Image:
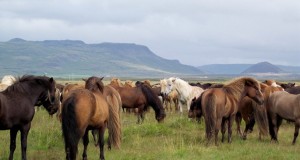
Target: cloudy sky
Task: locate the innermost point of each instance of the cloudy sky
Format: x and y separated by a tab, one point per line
196	32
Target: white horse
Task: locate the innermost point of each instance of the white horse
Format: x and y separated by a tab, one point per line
185	91
7	81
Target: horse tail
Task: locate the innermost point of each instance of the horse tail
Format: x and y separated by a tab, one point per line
69	127
260	116
114	123
152	100
210	115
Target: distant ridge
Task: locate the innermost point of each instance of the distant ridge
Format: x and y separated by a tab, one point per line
69	58
241	68
263	67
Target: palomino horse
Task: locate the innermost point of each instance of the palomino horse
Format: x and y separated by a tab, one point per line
172	97
252	112
17	106
283	105
185	91
140	97
84	110
6	81
220	105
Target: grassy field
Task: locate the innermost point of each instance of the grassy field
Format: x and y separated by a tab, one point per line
176	138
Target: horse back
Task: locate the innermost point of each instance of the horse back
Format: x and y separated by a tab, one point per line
284	104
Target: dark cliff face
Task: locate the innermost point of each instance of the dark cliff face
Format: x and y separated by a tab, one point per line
67	57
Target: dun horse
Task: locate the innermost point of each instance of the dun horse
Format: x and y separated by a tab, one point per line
88	109
220	105
283	105
17	106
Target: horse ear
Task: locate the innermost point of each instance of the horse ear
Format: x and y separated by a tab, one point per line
101	78
100	86
249	83
51	79
84	79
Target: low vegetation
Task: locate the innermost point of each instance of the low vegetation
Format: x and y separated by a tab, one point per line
176	138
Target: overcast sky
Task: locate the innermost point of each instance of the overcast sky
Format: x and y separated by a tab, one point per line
196	32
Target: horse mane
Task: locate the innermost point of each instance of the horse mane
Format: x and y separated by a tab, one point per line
236	86
21	83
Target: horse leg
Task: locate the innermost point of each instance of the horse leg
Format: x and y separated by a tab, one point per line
238	120
180	107
297	125
85	139
24	133
278	123
95	133
223	129
230	122
101	141
13	135
217	128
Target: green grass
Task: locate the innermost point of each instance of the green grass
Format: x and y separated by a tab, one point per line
176	138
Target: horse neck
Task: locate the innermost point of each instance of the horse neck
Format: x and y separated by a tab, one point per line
27	90
236	90
183	88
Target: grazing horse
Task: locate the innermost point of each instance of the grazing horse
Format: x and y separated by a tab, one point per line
185	91
84	110
283	105
17	106
220	105
140	97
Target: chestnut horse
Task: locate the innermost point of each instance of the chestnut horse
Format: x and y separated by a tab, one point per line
220	105
252	112
283	105
17	106
84	110
140	97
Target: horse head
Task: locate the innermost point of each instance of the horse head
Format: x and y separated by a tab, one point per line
50	98
170	84
94	84
195	108
253	90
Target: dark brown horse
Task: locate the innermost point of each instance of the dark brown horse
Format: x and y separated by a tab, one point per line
283	105
17	106
141	97
219	105
84	110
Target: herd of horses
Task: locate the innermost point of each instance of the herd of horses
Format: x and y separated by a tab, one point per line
96	107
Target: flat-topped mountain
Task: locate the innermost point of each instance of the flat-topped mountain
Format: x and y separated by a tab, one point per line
74	57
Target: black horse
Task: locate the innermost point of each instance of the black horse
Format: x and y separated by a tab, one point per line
17	106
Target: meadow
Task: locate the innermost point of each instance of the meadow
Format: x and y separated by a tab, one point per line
177	138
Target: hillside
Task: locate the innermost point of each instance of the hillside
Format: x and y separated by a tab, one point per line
76	58
263	67
240	68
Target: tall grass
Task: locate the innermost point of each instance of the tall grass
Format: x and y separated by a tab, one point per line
176	138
